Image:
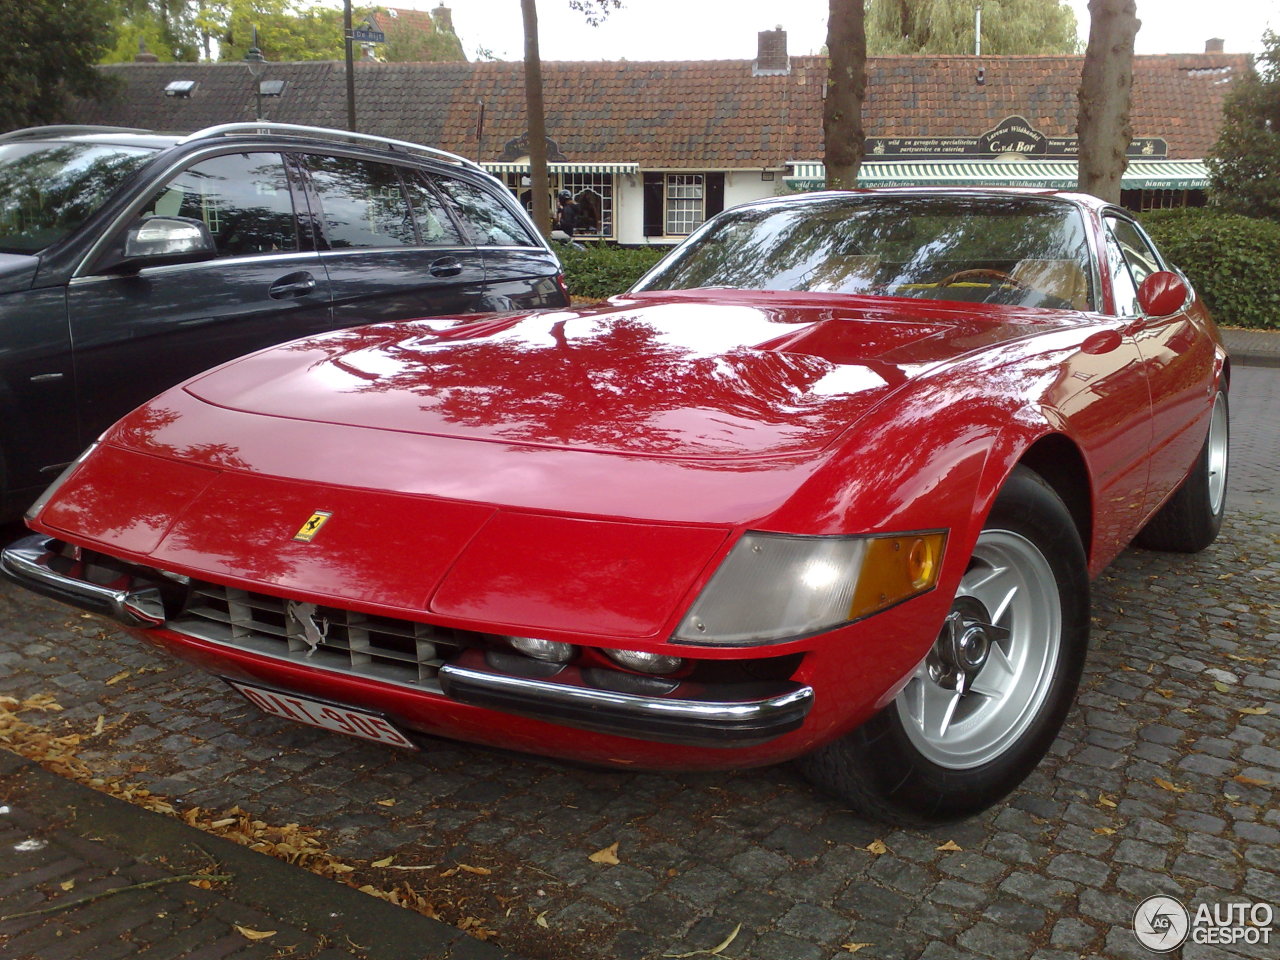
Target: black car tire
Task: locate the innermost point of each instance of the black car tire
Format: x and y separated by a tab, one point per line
893	768
1190	520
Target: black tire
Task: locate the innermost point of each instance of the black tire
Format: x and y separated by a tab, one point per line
890	768
1190	519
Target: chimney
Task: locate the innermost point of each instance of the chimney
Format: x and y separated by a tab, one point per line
1214	45
443	18
771	54
144	55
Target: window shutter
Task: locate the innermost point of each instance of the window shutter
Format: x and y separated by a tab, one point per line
653	187
715	193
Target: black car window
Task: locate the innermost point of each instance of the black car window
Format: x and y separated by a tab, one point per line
488	220
48	189
434	224
362	203
243	198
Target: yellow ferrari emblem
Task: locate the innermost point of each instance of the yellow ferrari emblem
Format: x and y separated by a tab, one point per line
313	525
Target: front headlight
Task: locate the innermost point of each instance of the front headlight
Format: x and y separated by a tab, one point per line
773	587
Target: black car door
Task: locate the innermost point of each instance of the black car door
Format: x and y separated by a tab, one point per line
389	247
136	334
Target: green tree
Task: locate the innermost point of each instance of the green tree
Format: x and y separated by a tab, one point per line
1106	87
1244	165
842	130
947	27
167	28
48	54
287	31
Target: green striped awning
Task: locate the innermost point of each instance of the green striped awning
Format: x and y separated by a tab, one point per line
522	166
1048	174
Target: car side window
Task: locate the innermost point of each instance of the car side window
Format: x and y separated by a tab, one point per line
1122	282
488	220
1142	259
243	198
362	203
435	227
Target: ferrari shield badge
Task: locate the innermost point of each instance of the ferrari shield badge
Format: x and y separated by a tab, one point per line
309	529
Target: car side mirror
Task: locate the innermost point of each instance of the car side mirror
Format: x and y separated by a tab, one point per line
1162	293
154	241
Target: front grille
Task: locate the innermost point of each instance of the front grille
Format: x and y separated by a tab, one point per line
382	648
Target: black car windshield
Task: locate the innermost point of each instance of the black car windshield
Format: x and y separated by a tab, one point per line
48	189
989	249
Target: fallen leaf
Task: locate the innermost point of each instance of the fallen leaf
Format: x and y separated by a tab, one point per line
118	677
950	846
1220	686
249	934
855	947
389	802
1105	801
339	867
877	847
67	884
98	727
608	855
541	920
1250	781
1164	784
479	871
1164	693
1254	711
1232	656
713	952
384	862
1105	831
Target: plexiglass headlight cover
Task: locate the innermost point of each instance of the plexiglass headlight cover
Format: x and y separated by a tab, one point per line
777	587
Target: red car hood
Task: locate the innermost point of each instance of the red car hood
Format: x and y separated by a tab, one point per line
685	375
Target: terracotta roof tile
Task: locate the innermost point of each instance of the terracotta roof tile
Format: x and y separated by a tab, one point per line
679	114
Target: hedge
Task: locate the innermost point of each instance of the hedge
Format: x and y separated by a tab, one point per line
598	270
1233	261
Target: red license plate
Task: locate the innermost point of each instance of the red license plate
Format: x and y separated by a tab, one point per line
326	716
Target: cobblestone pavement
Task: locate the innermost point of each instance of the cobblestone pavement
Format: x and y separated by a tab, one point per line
1164	781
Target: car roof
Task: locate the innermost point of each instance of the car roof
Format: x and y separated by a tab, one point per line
1079	199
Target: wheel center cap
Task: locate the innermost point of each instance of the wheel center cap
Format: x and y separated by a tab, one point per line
963	645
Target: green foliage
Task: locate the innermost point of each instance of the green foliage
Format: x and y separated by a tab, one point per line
287	31
599	270
1230	259
48	53
167	28
1244	165
946	27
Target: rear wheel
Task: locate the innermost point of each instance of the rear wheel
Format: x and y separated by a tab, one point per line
1192	517
985	704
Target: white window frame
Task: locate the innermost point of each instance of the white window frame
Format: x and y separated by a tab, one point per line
684	203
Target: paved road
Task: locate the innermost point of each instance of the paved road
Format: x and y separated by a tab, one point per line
1165	781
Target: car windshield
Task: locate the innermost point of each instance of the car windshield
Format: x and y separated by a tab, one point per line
48	189
989	249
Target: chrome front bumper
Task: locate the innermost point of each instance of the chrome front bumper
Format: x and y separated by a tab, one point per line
723	715
30	562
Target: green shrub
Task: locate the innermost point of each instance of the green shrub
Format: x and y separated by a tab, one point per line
1233	261
599	270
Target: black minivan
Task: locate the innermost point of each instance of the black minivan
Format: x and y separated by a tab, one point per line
130	261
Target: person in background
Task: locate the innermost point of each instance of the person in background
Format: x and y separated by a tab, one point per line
566	217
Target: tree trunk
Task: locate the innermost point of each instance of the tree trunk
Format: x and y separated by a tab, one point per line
1105	86
846	85
537	121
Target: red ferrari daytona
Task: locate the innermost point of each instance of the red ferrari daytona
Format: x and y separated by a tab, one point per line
829	483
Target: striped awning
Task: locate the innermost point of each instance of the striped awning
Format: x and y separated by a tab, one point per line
1049	174
522	166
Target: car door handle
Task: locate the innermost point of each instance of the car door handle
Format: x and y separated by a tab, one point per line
446	267
292	285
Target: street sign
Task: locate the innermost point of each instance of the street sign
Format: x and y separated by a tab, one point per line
368	36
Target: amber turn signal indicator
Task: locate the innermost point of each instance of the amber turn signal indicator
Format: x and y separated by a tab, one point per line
895	569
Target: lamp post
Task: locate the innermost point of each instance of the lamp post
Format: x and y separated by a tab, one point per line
257	64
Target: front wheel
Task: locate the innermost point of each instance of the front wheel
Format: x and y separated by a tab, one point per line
986	702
